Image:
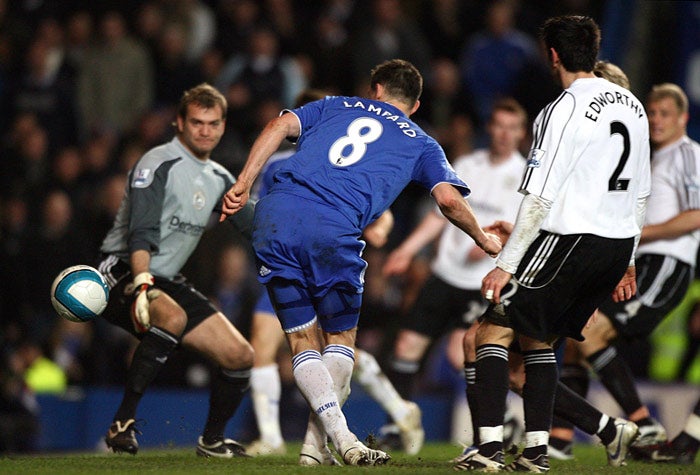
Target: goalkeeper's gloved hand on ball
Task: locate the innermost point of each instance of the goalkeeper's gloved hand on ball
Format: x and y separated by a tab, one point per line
139	309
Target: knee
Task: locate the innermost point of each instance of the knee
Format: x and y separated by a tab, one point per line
174	320
238	356
469	345
409	346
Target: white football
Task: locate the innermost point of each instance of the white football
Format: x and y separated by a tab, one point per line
79	293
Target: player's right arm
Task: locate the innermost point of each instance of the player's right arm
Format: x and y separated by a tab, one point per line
147	193
267	143
457	210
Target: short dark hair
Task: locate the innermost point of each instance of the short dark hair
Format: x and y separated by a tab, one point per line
400	78
203	95
575	38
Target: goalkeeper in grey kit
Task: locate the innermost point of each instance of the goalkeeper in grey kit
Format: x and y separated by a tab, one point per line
171	194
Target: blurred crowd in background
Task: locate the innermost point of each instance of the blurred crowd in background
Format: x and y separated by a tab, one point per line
86	87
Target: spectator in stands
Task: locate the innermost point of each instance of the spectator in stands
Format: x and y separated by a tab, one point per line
236	21
19	422
174	70
387	32
115	84
46	88
445	24
493	58
57	242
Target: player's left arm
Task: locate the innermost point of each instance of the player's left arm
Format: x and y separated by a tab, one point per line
681	224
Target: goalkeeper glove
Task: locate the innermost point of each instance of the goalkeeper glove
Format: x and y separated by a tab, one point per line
139	309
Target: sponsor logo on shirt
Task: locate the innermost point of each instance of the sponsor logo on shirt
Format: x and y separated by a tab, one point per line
535	157
186	228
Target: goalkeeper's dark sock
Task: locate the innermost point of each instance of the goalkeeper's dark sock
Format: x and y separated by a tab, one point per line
149	357
227	391
616	376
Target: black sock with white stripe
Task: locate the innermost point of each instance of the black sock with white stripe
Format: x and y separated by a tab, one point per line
227	390
538	399
470	378
572	407
616	376
490	390
149	357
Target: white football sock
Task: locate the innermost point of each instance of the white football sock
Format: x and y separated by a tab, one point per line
340	361
265	391
370	376
692	427
316	384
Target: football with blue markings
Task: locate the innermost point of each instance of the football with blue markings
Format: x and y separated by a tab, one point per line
79	293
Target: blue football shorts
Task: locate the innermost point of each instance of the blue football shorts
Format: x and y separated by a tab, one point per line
309	256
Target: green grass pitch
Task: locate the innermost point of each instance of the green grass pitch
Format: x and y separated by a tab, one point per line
433	459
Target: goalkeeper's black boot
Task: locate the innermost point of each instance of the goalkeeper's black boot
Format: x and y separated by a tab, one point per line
121	437
224	448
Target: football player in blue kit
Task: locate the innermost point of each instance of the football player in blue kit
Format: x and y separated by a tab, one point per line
354	156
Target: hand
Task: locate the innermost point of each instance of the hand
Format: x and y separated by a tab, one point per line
502	229
234	200
493	283
627	287
139	309
492	245
475	254
375	236
397	262
377	233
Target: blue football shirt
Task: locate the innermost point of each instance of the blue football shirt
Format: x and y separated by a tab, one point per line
357	155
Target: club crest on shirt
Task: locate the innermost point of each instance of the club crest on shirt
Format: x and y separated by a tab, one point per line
142	178
199	200
534	158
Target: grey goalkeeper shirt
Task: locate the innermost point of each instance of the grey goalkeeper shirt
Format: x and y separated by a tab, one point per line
169	200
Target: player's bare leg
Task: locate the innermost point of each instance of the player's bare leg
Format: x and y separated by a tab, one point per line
405	414
217	339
